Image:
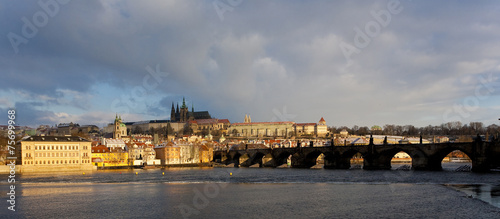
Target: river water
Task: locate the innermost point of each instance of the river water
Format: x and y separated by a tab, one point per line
255	193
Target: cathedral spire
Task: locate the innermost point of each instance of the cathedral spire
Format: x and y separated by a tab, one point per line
172	113
183	103
192	107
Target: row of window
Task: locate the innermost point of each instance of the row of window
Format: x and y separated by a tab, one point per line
172	154
55	147
56	154
56	162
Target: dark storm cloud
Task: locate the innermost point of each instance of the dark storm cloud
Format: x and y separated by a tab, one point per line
263	56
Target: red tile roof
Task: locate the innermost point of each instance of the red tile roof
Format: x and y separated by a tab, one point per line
224	121
304	124
100	149
266	123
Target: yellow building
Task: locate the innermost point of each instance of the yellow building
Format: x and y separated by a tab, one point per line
54	153
262	129
168	153
277	129
104	157
315	129
206	153
206	125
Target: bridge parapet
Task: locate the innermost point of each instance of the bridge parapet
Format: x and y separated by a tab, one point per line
484	155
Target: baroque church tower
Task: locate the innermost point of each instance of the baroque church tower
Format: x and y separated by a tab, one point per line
120	129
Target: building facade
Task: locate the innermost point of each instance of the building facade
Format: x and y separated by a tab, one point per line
54	153
205	126
168	153
103	156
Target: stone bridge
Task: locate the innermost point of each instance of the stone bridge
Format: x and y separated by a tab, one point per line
484	155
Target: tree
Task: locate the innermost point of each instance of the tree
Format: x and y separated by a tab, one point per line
187	130
493	130
476	127
355	129
363	131
389	129
204	131
169	130
137	130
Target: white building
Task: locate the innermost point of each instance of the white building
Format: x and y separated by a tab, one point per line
112	143
189	153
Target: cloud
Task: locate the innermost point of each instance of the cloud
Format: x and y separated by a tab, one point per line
262	56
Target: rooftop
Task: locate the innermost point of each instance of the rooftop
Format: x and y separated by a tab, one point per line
55	138
263	123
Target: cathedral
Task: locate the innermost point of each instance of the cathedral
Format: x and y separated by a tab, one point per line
184	115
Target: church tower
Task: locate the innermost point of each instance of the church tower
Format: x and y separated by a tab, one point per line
172	113
184	111
247	119
120	129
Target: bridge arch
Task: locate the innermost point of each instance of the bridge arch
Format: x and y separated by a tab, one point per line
234	158
311	158
437	160
245	160
282	158
349	159
217	157
257	159
268	160
386	157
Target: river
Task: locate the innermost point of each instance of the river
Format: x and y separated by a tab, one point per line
256	193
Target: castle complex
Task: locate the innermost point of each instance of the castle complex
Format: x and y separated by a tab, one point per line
183	114
277	129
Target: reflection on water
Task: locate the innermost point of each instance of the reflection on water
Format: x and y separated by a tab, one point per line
120	193
43	189
485	192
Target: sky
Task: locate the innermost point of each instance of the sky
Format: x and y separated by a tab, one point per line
359	63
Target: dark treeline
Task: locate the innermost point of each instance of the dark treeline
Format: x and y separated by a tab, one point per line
450	128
